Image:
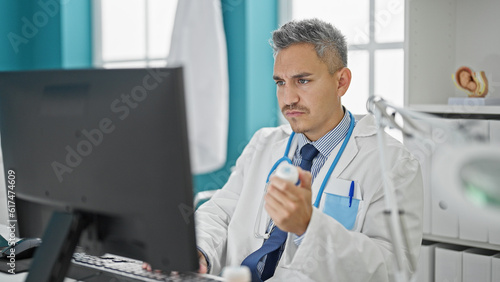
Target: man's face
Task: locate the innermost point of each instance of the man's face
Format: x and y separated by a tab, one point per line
307	93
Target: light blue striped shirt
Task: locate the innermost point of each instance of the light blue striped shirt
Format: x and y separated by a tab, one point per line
325	145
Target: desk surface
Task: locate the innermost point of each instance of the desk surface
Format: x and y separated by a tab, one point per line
13	277
20	277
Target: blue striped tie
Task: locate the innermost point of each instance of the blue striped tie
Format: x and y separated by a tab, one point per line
272	246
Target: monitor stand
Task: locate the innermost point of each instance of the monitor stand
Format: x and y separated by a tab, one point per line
53	258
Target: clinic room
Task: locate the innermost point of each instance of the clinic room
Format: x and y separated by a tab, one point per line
250	140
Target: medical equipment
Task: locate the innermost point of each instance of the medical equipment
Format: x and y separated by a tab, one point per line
463	170
480	177
391	206
265	235
475	171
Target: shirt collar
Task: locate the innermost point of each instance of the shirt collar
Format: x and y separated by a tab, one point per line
330	140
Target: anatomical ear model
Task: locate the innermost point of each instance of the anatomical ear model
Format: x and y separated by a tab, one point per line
473	83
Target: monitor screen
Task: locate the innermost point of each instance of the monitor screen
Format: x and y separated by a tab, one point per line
109	146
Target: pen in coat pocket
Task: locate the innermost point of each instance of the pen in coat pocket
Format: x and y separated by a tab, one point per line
351	193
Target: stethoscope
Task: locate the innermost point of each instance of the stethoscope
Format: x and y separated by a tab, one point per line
285	158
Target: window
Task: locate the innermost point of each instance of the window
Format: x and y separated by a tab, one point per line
132	33
375	35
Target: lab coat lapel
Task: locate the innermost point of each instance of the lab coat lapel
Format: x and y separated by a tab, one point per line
278	148
351	150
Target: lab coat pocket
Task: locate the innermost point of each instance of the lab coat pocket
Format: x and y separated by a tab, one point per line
343	201
341	208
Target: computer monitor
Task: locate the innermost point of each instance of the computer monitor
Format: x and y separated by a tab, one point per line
105	152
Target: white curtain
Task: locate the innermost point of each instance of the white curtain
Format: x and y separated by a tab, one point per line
199	45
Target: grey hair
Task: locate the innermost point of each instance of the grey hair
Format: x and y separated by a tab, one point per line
329	43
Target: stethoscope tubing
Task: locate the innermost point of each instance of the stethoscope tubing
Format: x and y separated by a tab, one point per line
330	170
285	158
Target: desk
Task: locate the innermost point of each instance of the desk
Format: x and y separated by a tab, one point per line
74	270
20	277
13	277
6	276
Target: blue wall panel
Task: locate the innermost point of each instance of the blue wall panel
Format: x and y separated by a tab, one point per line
12	41
45	34
261	98
76	27
252	99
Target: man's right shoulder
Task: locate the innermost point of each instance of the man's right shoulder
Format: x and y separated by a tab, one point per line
265	140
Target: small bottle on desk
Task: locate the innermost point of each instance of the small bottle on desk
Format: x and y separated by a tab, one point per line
237	274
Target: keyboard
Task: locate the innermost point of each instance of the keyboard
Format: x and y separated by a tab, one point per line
116	268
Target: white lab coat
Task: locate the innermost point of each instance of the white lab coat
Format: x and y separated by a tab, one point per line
328	252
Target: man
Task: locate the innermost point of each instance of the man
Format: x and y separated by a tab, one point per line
343	236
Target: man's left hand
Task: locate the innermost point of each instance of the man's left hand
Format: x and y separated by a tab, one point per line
288	205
